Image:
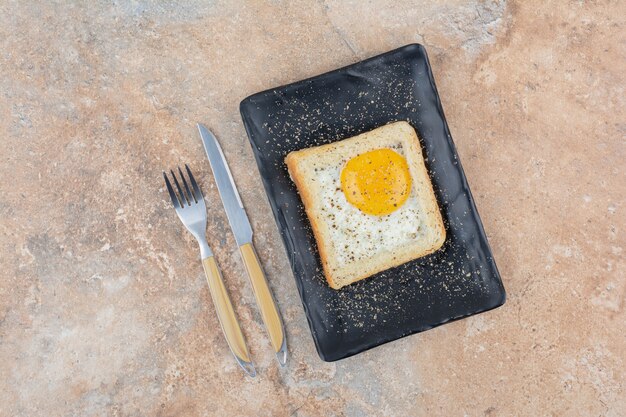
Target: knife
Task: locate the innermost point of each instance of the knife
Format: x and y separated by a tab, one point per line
242	230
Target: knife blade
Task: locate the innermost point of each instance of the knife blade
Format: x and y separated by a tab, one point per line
237	217
242	230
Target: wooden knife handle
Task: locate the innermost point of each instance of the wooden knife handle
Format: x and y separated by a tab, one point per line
226	315
265	300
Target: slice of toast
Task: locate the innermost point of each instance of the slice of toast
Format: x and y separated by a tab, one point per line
352	244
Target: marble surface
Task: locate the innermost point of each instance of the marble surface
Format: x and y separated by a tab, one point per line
104	309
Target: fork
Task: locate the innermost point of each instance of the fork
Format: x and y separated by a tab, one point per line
191	209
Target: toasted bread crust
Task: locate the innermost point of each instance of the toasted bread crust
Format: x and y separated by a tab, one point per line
307	199
336	275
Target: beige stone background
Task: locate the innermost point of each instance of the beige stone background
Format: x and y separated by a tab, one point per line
104	310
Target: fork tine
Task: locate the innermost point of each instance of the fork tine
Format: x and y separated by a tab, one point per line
183	197
197	193
192	198
173	196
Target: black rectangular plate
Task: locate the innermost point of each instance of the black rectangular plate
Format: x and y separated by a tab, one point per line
457	281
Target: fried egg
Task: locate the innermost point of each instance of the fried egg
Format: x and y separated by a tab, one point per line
369	204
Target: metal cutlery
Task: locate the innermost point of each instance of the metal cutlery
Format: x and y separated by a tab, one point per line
191	209
242	230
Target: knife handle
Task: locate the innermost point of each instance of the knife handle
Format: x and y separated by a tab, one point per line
226	315
265	300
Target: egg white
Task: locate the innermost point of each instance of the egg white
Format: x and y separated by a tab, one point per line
357	235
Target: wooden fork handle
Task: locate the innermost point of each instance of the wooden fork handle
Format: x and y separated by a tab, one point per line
226	315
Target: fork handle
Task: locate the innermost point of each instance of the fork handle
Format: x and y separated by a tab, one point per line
265	301
226	315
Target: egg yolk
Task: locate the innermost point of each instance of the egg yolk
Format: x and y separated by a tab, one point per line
376	182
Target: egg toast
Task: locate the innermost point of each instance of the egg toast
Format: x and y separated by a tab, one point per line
370	202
